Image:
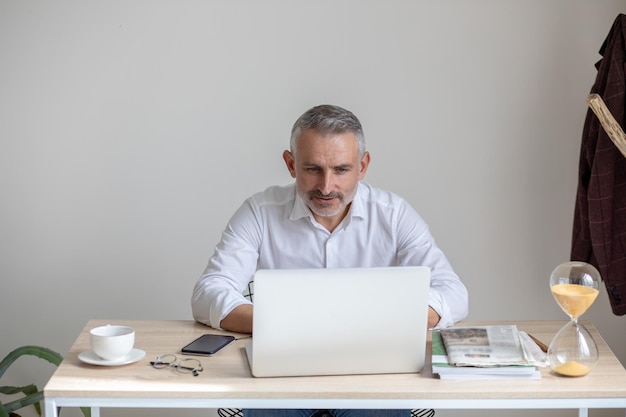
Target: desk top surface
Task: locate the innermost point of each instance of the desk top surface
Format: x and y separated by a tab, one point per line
227	375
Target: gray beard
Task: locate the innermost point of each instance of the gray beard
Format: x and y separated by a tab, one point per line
343	202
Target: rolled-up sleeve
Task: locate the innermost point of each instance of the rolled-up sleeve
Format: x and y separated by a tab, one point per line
448	295
220	288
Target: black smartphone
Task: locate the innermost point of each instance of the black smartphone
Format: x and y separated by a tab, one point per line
207	344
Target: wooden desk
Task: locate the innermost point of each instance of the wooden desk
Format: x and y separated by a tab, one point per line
227	382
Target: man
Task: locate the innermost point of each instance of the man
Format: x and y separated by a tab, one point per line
328	218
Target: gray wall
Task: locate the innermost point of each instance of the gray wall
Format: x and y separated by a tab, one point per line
131	130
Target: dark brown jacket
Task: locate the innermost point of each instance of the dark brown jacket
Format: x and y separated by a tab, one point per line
599	233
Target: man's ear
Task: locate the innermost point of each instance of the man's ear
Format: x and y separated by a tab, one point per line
290	161
365	162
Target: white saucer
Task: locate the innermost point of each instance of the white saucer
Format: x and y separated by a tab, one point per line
91	358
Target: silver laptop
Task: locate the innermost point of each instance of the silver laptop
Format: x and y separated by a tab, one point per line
339	321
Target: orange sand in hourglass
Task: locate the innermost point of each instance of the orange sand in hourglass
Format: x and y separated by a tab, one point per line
574	299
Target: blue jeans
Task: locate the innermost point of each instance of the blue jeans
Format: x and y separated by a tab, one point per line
334	413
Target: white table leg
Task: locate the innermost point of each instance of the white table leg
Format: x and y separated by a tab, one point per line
50	408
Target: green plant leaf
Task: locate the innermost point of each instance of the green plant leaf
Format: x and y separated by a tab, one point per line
28	389
38	351
30	399
32	395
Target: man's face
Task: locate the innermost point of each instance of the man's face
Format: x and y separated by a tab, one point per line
327	169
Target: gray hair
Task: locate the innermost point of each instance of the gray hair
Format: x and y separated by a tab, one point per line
327	120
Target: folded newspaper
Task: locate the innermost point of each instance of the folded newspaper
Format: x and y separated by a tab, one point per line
442	367
496	345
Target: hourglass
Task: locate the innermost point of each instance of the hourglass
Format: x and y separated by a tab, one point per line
575	286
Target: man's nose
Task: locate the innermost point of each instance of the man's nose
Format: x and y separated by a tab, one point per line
326	182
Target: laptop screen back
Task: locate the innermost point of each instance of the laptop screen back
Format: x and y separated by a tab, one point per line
339	321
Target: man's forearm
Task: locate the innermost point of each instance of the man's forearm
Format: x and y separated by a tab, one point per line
433	317
239	320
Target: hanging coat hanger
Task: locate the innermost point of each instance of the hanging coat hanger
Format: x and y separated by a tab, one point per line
608	122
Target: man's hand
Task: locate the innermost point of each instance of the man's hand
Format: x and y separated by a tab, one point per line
239	320
433	317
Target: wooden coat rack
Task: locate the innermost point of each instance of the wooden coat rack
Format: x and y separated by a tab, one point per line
608	122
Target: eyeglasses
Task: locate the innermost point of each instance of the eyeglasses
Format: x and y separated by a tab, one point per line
185	366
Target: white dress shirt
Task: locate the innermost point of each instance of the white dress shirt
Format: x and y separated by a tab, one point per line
274	229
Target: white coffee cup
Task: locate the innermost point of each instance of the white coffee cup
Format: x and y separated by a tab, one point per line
112	342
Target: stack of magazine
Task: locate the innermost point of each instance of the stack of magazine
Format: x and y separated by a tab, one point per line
486	352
